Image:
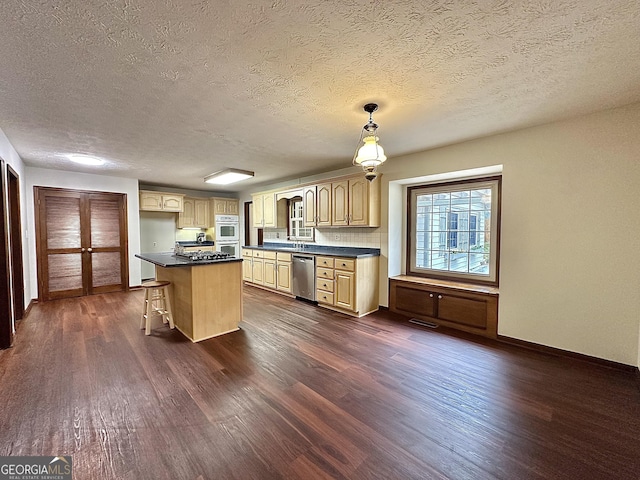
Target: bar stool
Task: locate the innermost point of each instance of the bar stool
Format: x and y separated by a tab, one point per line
156	301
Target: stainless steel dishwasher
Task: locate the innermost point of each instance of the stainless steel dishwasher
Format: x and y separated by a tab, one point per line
304	276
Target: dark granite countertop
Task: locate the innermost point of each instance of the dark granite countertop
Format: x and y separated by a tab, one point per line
349	252
170	260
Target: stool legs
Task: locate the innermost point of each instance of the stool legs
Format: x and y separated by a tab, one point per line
156	301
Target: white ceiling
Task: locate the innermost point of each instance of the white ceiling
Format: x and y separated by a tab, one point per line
168	91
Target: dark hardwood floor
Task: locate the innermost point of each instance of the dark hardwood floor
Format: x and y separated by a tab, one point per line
301	392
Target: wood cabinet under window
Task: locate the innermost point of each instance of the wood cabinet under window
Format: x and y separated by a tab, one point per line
452	304
161	201
195	213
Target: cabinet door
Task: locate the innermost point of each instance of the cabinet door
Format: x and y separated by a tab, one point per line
172	203
186	218
323	204
309	206
232	207
201	213
258	211
269	210
412	301
284	276
359	201
151	201
269	274
258	271
466	311
247	269
345	292
219	206
340	203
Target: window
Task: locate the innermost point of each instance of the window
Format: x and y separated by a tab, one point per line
297	230
454	230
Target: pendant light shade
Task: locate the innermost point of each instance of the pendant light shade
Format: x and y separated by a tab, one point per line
370	155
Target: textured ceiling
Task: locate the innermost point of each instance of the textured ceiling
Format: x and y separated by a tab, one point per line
168	91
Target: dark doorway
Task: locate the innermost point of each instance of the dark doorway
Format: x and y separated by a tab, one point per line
6	327
15	242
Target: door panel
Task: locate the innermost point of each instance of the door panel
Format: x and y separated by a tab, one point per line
105	269
62	216
65	272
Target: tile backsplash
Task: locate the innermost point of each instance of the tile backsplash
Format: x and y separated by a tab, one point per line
342	237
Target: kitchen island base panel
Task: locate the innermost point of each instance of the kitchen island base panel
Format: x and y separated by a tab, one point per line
206	299
207	338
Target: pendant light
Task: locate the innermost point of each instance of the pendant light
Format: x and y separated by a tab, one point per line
370	155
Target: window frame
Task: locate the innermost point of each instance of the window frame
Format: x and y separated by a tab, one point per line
293	219
494	253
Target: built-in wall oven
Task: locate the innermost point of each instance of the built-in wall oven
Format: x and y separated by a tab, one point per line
227	228
228	234
232	248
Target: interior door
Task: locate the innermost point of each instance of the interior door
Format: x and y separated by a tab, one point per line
6	327
81	242
15	235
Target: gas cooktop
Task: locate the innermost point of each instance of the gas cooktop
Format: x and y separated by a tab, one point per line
202	255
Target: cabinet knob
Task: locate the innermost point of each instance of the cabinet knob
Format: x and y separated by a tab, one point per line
89	249
431	295
439	296
344	264
82	249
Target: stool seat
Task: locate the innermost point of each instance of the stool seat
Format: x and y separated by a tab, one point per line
156	284
156	301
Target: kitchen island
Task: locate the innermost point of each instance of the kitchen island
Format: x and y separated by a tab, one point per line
206	295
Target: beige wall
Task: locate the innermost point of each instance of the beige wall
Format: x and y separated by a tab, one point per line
570	255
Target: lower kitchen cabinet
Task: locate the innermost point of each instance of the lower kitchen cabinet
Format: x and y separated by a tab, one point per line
452	304
257	269
269	270
284	280
349	285
247	265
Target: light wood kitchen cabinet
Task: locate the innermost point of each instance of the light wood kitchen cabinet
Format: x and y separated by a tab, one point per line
355	202
323	205
456	305
309	206
247	265
269	270
267	213
257	270
284	272
161	201
195	213
347	284
225	206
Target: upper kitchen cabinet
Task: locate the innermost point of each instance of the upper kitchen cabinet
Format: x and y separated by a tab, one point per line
195	213
355	202
309	207
323	205
161	201
347	201
265	211
225	206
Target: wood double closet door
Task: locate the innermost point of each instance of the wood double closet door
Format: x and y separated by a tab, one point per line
81	242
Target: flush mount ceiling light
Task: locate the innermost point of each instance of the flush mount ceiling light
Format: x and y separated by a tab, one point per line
227	176
85	159
370	155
